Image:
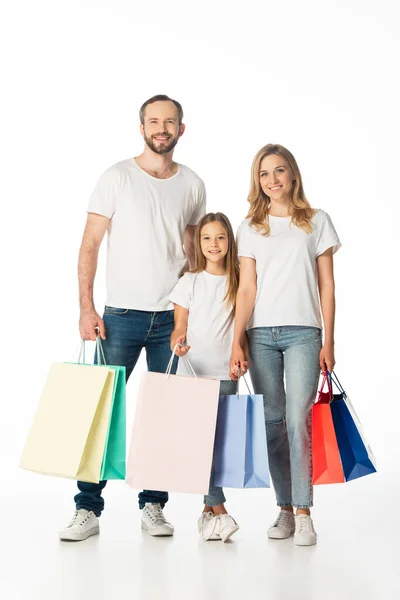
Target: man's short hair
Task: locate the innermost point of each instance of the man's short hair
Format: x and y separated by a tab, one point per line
161	98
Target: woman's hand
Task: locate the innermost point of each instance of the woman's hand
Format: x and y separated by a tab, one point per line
179	351
327	358
239	362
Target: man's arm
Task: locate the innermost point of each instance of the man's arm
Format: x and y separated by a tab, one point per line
96	226
188	244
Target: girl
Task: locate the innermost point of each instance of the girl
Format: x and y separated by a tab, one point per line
286	257
204	302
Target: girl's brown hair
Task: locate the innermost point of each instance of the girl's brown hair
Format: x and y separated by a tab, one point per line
231	259
301	212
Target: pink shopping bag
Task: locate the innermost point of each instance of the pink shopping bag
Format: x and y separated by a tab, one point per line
173	433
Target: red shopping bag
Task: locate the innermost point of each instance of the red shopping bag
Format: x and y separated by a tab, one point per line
327	465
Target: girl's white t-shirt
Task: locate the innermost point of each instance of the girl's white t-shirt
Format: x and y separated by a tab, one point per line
210	324
286	265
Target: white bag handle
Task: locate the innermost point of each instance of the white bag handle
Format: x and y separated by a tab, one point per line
171	360
100	353
245	380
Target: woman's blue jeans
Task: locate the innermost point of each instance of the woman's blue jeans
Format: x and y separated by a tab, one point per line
284	367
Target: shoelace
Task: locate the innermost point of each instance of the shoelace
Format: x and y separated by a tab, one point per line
304	524
156	513
216	521
79	519
283	519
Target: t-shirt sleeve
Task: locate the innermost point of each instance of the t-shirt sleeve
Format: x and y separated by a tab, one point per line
243	239
200	208
182	292
104	197
327	238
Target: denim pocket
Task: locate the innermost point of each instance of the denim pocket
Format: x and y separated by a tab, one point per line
112	310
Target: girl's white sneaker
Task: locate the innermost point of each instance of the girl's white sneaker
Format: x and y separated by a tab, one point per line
228	527
208	526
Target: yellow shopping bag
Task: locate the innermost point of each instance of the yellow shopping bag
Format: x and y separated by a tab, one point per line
68	434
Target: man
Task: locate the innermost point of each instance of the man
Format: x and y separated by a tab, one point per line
150	206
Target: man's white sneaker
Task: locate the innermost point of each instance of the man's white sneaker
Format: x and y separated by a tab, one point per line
283	526
228	527
209	526
83	524
305	533
154	522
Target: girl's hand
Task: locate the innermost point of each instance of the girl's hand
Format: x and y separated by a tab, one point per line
327	358
179	351
239	362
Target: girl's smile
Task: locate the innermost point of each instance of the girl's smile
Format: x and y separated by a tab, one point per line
214	242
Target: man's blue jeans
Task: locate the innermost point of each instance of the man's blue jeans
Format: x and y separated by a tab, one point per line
287	353
127	332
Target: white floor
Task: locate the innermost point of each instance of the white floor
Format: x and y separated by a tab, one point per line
357	555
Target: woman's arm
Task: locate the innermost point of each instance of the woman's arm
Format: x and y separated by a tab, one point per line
245	300
178	336
326	285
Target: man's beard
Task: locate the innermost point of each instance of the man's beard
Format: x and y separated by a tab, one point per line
162	148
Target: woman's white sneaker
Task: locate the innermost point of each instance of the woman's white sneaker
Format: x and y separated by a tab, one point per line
305	533
154	522
283	526
83	524
228	527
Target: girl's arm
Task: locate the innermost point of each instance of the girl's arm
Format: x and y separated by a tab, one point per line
245	300
178	336
326	286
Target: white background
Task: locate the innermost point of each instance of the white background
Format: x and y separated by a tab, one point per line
318	77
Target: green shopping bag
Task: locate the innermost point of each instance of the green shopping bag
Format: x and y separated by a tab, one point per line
114	457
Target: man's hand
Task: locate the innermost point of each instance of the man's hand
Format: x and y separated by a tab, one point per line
88	322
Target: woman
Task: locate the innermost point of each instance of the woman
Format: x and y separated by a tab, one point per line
286	257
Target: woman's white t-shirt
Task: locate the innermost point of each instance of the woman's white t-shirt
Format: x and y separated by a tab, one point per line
210	324
287	278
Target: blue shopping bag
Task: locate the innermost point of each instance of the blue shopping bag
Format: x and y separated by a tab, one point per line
240	450
355	453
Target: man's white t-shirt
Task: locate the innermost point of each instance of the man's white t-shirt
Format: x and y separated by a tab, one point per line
286	265
210	324
145	237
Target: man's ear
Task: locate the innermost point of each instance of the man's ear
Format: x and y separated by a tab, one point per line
141	130
182	128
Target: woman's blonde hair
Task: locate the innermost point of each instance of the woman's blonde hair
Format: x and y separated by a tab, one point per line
301	212
231	258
